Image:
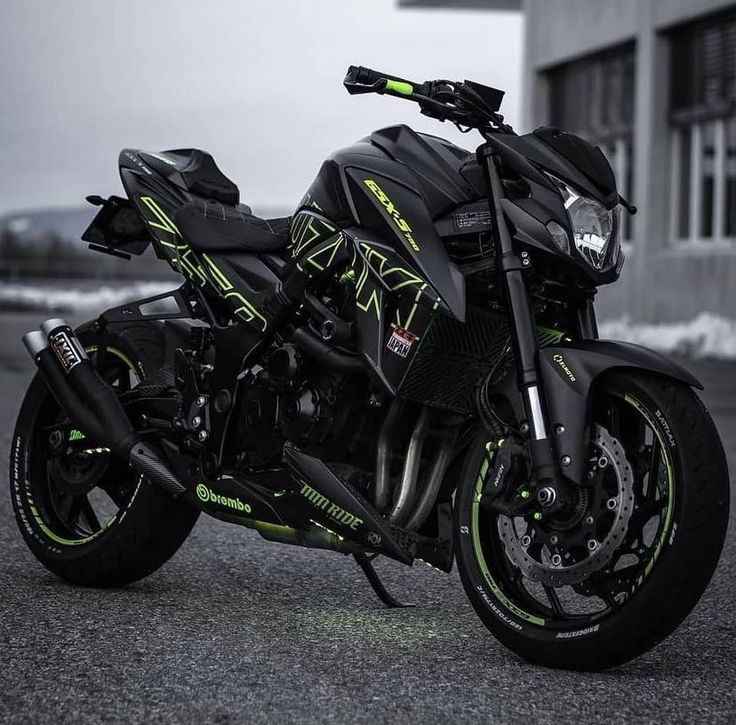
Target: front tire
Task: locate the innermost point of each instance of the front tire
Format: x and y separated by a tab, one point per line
657	592
84	514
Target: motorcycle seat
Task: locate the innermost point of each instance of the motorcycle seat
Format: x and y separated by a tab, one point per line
211	226
201	175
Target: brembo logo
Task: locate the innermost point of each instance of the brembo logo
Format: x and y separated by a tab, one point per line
67	352
561	362
207	495
321	502
401	223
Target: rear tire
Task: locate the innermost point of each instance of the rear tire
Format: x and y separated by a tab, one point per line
682	568
149	525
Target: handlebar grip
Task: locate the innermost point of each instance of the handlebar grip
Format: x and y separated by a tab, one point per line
361	80
367	76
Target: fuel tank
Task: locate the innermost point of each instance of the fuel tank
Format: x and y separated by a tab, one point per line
442	174
395	184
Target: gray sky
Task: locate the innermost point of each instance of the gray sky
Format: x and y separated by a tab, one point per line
256	83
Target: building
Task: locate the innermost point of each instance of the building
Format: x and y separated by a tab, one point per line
653	82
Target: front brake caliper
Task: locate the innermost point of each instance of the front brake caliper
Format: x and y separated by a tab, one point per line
507	464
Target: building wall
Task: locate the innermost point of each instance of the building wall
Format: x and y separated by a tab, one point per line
662	280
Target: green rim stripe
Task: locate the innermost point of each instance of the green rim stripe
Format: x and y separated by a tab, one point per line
68	542
478	550
122	356
34	511
670	483
480	559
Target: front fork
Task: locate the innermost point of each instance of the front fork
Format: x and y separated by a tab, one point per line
551	489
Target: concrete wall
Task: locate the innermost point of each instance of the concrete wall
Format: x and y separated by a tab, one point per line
662	280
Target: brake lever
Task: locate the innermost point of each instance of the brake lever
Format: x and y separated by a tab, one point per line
354	88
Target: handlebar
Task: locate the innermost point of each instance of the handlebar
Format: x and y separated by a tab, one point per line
467	104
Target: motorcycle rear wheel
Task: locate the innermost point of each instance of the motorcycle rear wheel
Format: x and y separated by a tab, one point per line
85	514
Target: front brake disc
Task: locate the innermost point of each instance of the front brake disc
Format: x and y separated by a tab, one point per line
532	551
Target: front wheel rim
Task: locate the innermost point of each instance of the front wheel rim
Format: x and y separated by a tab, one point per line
550	607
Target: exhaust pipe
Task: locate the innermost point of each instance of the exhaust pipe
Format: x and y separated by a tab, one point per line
383	454
91	403
428	497
405	497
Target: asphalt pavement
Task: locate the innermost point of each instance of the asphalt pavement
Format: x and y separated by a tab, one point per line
236	629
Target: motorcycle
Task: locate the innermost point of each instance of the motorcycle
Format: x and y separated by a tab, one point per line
407	367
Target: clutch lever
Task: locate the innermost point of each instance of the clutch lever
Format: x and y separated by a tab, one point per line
354	88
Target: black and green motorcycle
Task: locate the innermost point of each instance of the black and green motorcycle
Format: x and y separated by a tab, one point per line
409	366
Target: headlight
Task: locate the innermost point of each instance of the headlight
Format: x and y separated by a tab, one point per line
595	229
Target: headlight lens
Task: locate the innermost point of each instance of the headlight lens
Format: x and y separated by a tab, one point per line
595	229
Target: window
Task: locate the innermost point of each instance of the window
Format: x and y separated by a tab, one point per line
594	98
703	117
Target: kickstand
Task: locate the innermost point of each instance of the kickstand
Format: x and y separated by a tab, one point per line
372	576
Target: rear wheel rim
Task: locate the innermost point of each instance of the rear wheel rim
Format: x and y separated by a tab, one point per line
77	493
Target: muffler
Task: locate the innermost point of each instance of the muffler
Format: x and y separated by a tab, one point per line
91	403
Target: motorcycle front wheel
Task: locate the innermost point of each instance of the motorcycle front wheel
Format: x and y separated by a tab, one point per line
610	579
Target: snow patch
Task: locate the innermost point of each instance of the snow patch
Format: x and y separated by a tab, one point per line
23	297
706	336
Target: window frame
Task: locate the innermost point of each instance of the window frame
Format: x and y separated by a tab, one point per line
694	105
695	187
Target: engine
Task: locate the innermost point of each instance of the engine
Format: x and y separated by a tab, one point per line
289	398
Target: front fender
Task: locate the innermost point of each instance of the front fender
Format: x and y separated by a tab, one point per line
568	372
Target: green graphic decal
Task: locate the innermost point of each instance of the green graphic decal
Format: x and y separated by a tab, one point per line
306	228
394	276
207	495
547	336
162	220
245	309
322	502
323	257
406	324
398	220
366	293
179	254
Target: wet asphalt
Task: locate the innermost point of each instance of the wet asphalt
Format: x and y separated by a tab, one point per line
236	629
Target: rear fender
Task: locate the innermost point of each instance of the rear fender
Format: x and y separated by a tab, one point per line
568	372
